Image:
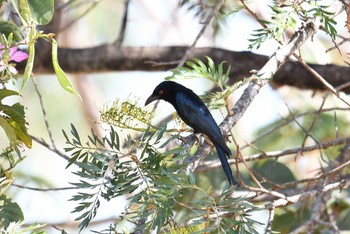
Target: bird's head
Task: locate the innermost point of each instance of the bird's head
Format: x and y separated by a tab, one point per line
164	91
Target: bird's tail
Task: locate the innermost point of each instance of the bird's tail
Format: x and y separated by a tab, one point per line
226	165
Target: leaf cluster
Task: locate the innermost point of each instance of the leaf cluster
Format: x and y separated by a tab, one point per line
32	14
12	120
154	180
302	128
126	114
11	215
107	172
202	9
283	18
223	213
289	17
195	68
219	75
325	17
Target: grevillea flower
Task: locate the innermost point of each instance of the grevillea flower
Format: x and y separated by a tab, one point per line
15	55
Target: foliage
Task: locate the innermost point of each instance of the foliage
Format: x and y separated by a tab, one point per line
155	179
12	120
34	13
10	212
11	215
12	116
202	9
61	75
126	115
197	69
17	228
288	17
302	128
148	168
323	127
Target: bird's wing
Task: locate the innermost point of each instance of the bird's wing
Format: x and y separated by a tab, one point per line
194	113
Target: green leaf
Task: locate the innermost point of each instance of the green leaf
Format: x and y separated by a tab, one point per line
21	132
30	62
161	133
174	151
16	8
274	171
41	11
75	134
14	123
5	184
16	119
7	28
10	212
24	10
211	64
10	132
62	77
7	92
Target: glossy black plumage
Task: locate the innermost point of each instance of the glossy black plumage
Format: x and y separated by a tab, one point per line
193	112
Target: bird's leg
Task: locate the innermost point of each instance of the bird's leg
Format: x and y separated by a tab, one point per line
206	139
190	139
227	137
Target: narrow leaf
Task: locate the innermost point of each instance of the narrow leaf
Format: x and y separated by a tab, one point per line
10	132
7	92
7	28
30	61
24	10
41	11
61	76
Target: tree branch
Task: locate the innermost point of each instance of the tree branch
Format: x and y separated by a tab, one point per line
276	154
312	193
111	57
257	81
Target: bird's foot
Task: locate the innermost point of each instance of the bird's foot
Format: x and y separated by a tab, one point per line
188	139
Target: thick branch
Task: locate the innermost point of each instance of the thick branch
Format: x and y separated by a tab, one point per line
113	58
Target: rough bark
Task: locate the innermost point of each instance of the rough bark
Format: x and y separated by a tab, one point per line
114	58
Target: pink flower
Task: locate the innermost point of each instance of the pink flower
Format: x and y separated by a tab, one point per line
14	55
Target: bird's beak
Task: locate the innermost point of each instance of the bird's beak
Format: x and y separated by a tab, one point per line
151	99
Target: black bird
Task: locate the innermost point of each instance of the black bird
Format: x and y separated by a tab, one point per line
194	113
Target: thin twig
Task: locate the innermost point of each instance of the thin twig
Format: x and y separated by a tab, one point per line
268	228
44	113
208	165
121	36
321	79
320	205
201	32
53	149
288	121
344	183
338	44
321	176
65	5
239	156
257	82
315	117
306	66
307	132
72	22
42	189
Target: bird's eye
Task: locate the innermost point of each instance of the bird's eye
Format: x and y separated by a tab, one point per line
160	92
